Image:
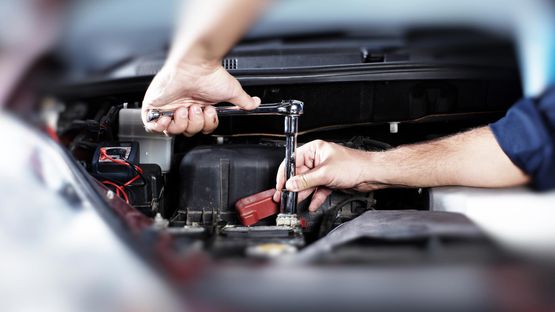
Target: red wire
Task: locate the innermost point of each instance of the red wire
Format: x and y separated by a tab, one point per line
120	189
118	161
135	178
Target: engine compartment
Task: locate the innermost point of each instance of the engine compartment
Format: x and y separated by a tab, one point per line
190	185
171	202
384	94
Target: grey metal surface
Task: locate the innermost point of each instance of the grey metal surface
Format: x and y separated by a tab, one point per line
392	225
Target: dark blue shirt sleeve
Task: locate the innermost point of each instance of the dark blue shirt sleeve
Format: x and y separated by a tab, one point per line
527	135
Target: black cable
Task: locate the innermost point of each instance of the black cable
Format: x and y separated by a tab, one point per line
331	216
136	173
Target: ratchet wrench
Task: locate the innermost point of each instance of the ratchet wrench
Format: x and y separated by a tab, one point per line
285	107
292	110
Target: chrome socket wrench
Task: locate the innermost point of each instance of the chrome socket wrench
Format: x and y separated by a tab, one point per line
292	110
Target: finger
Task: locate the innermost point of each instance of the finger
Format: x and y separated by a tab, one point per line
196	120
159	125
179	122
312	178
303	163
280	181
319	198
245	101
144	110
305	154
210	119
277	196
302	195
299	164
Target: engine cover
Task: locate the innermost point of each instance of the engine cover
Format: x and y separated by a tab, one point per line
213	178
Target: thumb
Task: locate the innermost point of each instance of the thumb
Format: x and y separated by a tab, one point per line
312	178
245	101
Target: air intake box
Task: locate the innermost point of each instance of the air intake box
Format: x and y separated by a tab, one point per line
213	178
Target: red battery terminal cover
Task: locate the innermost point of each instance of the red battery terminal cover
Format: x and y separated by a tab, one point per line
256	207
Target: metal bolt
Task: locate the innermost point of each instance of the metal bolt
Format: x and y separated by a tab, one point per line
394	127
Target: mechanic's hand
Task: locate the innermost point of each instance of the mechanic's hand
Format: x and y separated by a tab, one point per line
190	90
322	166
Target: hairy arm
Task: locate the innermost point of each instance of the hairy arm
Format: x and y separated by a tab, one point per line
472	158
192	78
209	28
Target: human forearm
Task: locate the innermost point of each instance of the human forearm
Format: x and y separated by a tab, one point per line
209	28
471	158
193	78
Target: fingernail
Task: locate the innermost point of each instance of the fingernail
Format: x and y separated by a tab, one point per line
197	110
183	113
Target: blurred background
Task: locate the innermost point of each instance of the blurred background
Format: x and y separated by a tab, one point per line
440	66
92	37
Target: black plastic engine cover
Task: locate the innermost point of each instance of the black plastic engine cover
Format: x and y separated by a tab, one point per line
213	178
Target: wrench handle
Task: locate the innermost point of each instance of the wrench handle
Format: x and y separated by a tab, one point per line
280	108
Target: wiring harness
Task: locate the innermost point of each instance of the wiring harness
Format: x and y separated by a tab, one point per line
120	188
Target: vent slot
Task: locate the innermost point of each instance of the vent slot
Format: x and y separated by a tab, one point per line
229	63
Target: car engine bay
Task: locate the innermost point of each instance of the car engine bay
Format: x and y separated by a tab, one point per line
199	210
190	186
99	212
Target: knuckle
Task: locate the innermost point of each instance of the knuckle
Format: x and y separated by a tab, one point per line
146	104
157	128
209	110
303	181
181	114
326	175
318	142
207	130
